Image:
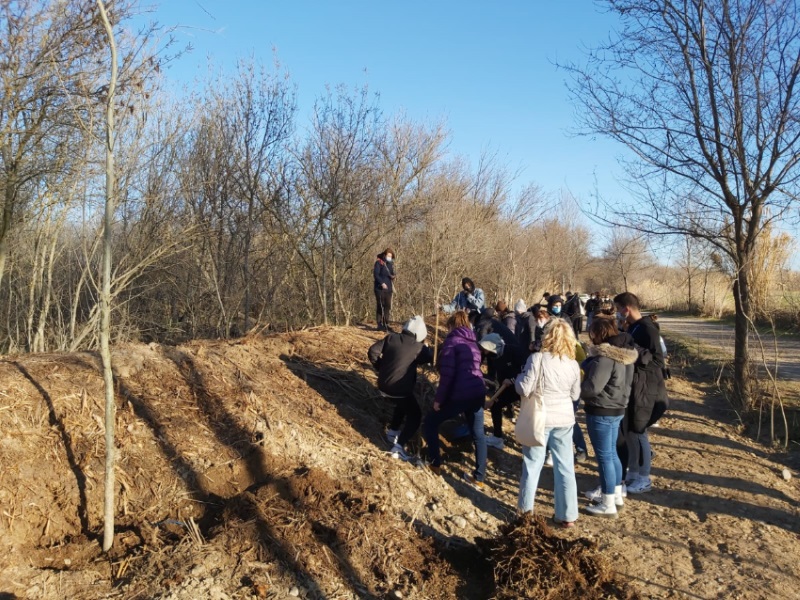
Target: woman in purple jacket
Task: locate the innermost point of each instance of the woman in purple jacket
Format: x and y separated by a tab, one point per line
461	391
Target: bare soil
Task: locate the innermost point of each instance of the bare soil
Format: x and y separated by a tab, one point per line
257	468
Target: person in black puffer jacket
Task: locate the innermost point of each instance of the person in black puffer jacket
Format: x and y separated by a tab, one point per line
605	390
396	357
648	401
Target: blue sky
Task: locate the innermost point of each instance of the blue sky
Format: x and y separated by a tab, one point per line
485	68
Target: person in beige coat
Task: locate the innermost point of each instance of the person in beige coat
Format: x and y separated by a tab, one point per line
560	385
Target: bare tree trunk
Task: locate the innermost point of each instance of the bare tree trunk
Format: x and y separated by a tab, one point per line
47	295
105	294
741	350
5	222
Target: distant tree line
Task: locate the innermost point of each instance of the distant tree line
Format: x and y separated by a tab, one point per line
235	212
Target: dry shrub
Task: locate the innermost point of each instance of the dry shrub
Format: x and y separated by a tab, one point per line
531	562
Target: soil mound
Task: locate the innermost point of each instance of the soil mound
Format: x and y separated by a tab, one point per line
532	562
244	468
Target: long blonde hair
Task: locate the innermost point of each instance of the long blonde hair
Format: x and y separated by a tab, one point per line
559	339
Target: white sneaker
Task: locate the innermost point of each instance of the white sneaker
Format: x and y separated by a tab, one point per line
495	442
640	486
398	452
548	460
624	490
619	499
392	435
595	495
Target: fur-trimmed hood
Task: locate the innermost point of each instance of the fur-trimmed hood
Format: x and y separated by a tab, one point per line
625	356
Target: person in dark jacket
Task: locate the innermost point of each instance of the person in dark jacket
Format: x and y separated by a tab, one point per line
555	306
592	305
461	392
525	331
572	312
648	400
541	319
506	315
505	361
396	357
483	324
489	323
605	392
383	274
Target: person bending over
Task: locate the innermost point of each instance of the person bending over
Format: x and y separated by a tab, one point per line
396	357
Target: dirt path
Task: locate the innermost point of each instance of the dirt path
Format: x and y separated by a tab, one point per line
720	336
720	522
274	446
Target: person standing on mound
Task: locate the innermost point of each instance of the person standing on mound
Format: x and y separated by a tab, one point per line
396	357
469	299
461	392
383	276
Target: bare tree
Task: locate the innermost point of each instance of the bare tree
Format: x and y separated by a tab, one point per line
105	294
704	95
627	254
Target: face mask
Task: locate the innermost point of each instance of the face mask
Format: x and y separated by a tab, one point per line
542	321
389	259
556	310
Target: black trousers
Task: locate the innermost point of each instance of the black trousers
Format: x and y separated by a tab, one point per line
577	326
507	398
383	310
406	408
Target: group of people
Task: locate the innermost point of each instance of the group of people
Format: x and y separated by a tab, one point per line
619	377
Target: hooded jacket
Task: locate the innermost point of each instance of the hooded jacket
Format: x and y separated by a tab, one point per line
464	300
526	330
608	378
460	377
649	392
383	272
396	357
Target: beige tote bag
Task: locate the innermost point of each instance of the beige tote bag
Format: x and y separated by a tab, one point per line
529	430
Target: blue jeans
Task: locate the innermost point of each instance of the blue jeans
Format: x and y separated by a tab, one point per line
577	434
559	441
473	415
603	432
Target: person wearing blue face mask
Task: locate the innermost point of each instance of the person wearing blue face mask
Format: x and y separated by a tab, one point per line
383	274
555	305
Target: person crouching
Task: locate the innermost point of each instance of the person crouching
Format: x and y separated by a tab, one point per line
461	392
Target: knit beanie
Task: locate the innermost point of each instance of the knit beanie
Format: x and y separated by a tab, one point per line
520	307
416	325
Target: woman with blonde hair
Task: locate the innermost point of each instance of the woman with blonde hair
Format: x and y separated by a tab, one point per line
556	375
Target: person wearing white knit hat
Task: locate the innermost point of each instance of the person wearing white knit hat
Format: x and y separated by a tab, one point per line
396	357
